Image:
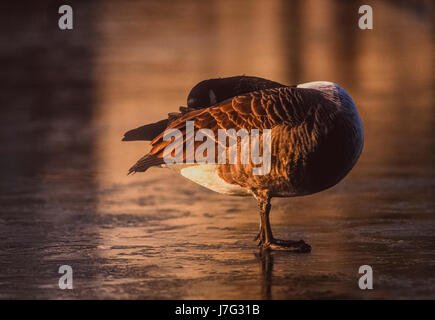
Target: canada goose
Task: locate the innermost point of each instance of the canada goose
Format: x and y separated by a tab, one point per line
316	139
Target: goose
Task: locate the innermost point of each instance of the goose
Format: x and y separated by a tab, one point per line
316	139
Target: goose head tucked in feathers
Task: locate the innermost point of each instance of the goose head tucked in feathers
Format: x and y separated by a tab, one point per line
209	92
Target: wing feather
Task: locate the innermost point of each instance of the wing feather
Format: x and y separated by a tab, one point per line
257	110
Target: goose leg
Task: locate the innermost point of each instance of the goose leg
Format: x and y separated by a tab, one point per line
260	232
265	236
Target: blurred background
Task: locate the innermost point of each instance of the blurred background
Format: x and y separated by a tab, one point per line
67	97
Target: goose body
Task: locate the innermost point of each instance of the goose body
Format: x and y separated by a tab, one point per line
316	139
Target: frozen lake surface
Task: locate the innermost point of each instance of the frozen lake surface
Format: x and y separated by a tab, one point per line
65	197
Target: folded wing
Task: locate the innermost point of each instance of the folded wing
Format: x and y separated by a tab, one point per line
263	109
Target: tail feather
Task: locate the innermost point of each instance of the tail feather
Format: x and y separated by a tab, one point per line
145	162
147	132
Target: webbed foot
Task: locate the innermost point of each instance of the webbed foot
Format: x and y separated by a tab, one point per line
286	245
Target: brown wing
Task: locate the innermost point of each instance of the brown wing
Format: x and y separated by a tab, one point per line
263	109
257	110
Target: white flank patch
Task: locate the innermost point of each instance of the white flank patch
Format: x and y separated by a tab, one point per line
206	175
